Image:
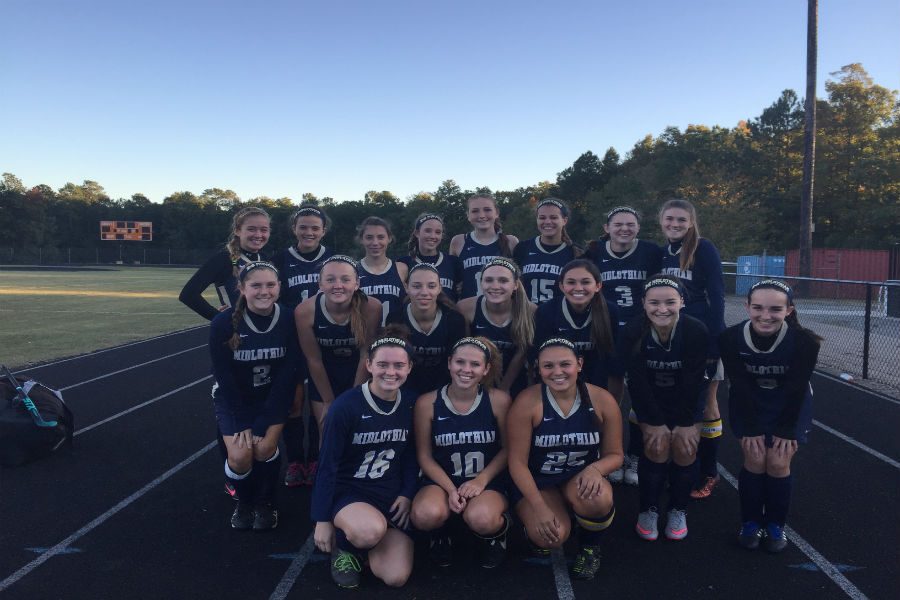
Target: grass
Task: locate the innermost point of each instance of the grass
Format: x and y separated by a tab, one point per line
54	314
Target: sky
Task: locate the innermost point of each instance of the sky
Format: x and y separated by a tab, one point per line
280	98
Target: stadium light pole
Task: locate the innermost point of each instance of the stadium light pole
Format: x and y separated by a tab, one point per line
809	141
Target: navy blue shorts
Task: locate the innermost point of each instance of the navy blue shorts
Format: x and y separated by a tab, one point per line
501	483
543	482
767	420
235	419
345	497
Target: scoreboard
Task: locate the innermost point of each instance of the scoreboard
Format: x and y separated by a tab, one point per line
129	231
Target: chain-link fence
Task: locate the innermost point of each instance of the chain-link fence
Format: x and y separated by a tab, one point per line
111	254
860	321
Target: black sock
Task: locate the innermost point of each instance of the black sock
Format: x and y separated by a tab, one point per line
751	490
590	530
651	481
243	483
778	499
499	533
635	440
293	439
342	543
708	452
267	478
681	479
312	439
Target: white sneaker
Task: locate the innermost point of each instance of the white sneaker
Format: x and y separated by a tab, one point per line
646	525
617	475
676	525
631	471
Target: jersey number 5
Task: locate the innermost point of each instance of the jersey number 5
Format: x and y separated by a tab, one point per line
557	461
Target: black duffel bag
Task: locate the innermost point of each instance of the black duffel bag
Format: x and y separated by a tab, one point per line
34	420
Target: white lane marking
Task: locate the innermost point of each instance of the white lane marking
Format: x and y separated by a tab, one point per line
293	572
561	575
143	364
141	405
862	388
63	545
96	352
823	563
862	447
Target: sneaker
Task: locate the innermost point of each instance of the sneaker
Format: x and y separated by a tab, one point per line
536	551
646	525
440	551
230	490
775	540
295	475
345	569
493	551
676	524
705	490
617	475
311	468
631	471
587	563
265	517
242	517
750	536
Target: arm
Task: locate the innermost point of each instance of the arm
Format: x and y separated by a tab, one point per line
500	402
456	244
513	242
512	370
281	393
715	292
423	416
693	373
806	354
402	270
220	332
466	308
609	421
740	388
338	429
192	293
520	423
304	315
642	397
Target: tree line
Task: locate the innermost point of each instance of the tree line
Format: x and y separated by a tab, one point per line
745	182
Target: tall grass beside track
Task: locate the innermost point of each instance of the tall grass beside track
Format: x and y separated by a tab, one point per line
53	314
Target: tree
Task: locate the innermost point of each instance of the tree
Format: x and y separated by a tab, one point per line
11	183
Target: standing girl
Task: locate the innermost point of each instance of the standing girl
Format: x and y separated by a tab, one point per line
433	325
379	276
299	267
254	353
332	326
769	360
696	263
665	358
460	446
424	247
564	437
485	242
367	477
542	258
503	314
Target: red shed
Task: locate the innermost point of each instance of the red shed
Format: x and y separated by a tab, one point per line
841	263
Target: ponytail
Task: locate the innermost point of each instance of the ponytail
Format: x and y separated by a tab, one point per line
521	327
358	324
794	323
234	342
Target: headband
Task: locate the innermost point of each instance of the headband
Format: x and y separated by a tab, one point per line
620	209
558	341
663	282
499	261
390	341
309	210
774	284
252	266
428	217
470	341
423	265
553	202
339	258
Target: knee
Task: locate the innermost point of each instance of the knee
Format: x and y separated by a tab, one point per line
595	506
367	533
396	578
777	467
428	515
240	461
658	454
481	520
682	458
264	451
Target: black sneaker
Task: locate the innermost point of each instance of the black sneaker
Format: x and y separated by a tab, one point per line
440	550
750	536
493	551
587	563
775	540
242	517
265	517
345	569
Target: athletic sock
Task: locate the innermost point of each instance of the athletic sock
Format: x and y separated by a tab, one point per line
778	499
590	529
651	481
751	490
293	439
708	449
243	483
267	478
312	439
681	479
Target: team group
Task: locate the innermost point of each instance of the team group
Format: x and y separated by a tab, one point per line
487	382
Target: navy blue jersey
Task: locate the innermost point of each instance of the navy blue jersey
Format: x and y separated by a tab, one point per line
340	353
562	445
368	447
255	383
386	287
704	288
473	256
431	348
217	271
557	318
449	270
666	381
624	275
463	444
299	275
769	390
540	267
501	335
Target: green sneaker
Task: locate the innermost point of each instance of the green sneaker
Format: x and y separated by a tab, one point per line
587	563
345	569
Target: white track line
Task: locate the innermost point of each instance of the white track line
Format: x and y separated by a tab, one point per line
95	352
862	388
823	563
862	447
561	575
63	545
141	405
293	572
143	364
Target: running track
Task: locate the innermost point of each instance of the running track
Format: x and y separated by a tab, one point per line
137	511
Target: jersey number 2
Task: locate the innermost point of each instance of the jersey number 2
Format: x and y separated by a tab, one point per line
557	461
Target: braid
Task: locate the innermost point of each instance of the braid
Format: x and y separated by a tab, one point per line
236	317
502	239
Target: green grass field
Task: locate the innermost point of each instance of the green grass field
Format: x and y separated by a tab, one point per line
54	314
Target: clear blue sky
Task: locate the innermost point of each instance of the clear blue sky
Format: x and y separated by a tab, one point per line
279	97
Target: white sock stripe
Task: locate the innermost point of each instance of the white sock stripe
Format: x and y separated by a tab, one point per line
232	475
274	456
